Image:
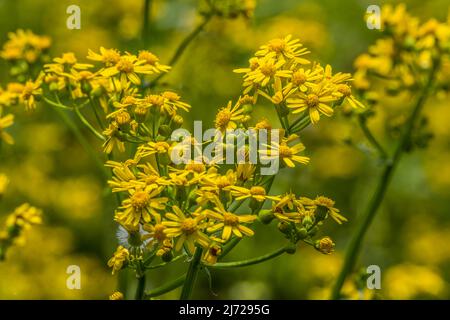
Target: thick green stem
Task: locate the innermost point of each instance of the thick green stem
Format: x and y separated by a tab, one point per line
249	262
146	21
191	275
140	288
166	287
377	198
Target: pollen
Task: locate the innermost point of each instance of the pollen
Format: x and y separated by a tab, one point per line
312	100
258	191
125	65
223	117
140	199
230	219
298	78
189	226
268	69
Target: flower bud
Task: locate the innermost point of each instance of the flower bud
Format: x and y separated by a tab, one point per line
141	113
284	227
167	256
266	216
325	245
302	233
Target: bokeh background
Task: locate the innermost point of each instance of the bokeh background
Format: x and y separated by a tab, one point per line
47	167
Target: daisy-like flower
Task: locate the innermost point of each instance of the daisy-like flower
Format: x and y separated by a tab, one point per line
128	67
187	229
29	93
343	90
150	176
109	57
287	154
150	148
212	253
155	232
140	204
326	204
153	61
228	117
229	223
285	48
336	78
302	79
65	63
119	258
123	176
316	101
112	139
268	70
172	102
255	192
6	122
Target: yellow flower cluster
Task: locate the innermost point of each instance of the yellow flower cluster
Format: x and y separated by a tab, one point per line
404	54
165	207
280	73
16	224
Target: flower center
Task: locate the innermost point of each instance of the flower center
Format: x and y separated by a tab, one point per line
125	65
285	152
312	100
110	57
123	118
196	167
345	90
161	146
159	232
223	118
171	96
268	69
140	199
222	182
257	191
189	226
149	57
277	45
298	78
230	219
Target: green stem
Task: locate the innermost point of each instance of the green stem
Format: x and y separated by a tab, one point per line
377	198
182	47
166	287
362	120
146	21
191	275
88	125
249	262
140	288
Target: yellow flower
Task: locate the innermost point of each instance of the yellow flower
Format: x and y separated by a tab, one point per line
325	203
287	154
212	253
29	93
269	69
172	102
159	147
188	230
153	61
155	231
140	204
117	295
227	117
65	63
346	92
24	216
286	48
325	245
229	223
256	192
301	80
316	102
128	67
119	258
113	139
109	57
24	45
6	122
